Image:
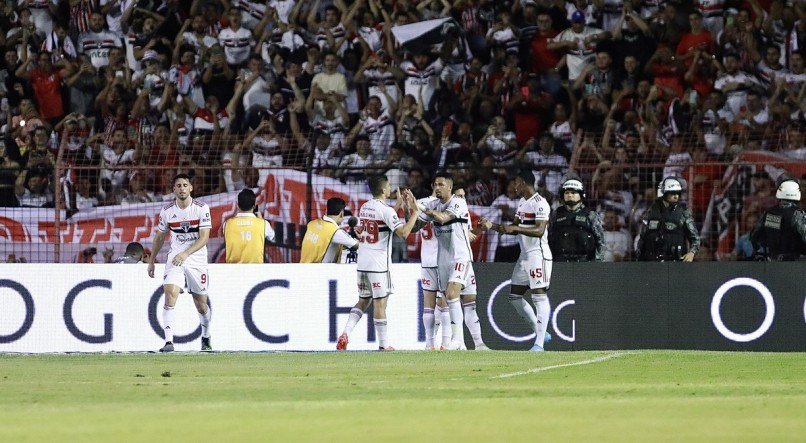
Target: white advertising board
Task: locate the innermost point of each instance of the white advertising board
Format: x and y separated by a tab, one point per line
104	308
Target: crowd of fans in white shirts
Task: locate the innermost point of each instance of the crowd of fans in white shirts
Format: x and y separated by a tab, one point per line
619	93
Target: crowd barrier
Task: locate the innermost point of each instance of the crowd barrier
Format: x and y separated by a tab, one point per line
107	308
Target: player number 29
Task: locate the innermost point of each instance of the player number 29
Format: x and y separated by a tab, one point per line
369	231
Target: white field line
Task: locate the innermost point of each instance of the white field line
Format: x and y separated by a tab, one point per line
564	365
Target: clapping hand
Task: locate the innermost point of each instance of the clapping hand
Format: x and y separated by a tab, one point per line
411	202
485	224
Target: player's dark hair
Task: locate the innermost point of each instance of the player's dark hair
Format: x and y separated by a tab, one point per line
335	205
246	199
444	175
134	249
527	176
376	184
179	177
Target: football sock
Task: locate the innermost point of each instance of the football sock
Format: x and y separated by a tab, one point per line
437	321
168	322
472	322
204	320
445	321
524	310
543	309
355	316
380	332
428	324
455	308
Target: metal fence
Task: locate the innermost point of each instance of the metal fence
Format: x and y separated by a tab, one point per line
88	203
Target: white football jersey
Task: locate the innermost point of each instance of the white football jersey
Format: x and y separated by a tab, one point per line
428	241
454	236
184	225
378	222
530	211
425	80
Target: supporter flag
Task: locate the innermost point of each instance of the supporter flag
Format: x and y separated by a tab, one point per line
423	36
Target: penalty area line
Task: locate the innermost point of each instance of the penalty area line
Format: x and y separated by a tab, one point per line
564	365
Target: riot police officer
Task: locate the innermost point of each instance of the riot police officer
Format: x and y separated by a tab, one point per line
780	233
575	232
668	232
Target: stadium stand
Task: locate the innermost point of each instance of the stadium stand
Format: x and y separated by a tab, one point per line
103	101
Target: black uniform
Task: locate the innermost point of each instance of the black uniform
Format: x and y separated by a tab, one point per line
781	232
576	235
667	233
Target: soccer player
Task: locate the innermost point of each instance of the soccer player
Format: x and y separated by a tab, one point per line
435	310
533	268
324	239
190	224
455	273
377	223
245	235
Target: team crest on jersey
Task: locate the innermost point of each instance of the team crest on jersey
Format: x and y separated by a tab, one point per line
184	226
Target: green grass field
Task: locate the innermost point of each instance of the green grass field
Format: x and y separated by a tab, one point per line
404	396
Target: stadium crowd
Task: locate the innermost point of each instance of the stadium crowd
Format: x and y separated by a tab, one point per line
620	94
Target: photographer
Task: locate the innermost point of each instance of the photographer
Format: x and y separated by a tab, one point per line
324	240
246	234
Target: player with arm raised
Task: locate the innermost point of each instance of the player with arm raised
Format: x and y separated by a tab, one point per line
435	311
533	268
456	277
190	223
378	221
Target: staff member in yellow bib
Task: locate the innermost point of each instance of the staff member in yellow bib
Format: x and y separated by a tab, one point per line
324	239
245	234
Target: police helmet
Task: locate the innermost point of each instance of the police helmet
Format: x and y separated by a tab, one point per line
573	184
788	190
669	184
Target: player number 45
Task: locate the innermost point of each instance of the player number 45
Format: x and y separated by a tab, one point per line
536	273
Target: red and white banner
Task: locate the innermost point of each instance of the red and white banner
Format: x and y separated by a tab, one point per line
29	233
